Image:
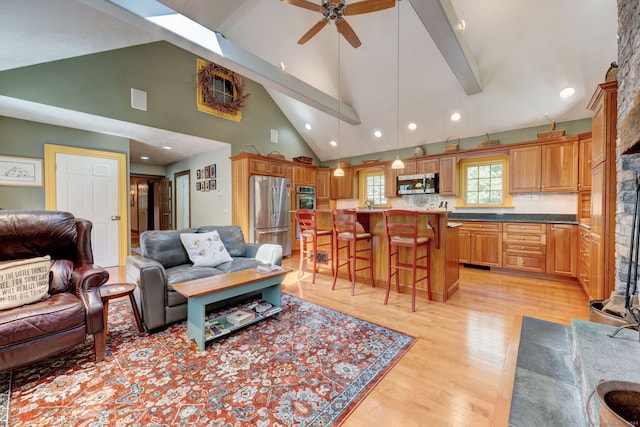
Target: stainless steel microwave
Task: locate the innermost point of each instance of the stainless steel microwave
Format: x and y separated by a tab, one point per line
425	183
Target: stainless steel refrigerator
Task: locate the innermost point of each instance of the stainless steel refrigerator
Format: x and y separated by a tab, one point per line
269	207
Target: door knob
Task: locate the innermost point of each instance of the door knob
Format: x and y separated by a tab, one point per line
115	218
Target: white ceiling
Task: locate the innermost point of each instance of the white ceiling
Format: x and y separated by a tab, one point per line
526	52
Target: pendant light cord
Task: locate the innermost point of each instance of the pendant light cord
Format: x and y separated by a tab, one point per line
397	163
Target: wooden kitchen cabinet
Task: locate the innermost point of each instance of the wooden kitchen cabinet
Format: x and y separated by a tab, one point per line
427	166
549	167
524	246
448	176
419	165
341	187
584	260
562	256
266	167
303	175
603	189
481	243
323	183
584	164
559	170
390	181
524	169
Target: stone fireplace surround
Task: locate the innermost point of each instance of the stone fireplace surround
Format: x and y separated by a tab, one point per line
628	132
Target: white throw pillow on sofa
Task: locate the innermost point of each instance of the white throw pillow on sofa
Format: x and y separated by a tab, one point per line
205	249
24	281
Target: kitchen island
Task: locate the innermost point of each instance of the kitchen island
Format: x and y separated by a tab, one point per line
444	265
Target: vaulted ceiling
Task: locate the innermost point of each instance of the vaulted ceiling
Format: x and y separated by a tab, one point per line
524	53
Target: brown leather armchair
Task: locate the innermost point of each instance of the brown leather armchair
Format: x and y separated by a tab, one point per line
74	309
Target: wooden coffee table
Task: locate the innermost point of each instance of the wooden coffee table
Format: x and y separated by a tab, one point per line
207	290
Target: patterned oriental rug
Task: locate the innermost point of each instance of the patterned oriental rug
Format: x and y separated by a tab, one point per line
311	367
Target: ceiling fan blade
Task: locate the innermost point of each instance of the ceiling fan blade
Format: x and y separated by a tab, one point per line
305	4
313	31
367	6
347	32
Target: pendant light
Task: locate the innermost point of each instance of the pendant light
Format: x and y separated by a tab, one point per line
397	163
338	171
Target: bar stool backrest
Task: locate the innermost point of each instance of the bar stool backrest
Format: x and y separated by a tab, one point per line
401	226
307	220
345	223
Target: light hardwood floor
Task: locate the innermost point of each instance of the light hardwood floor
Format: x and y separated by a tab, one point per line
460	370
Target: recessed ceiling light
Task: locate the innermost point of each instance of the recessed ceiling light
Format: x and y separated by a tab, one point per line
567	92
462	25
307	126
377	133
333	143
412	126
144	157
282	66
455	117
166	147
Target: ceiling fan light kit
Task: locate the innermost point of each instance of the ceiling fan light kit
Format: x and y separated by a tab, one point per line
335	11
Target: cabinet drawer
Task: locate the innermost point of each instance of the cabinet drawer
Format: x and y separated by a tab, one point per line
524	238
524	227
524	249
485	226
524	262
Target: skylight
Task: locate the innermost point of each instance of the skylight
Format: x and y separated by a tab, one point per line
175	22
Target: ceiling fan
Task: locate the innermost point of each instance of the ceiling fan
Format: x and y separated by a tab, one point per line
333	10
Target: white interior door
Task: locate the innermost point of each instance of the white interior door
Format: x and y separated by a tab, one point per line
88	188
183	216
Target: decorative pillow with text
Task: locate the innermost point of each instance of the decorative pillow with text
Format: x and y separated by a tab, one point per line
24	281
205	249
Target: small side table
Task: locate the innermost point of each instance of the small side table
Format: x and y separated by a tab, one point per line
117	290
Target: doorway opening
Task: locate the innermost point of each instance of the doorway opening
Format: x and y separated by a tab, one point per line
150	203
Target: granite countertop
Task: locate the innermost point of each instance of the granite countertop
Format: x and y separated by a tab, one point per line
541	218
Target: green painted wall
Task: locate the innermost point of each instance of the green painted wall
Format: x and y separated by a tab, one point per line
100	84
23	138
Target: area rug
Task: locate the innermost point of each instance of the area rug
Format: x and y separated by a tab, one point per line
310	367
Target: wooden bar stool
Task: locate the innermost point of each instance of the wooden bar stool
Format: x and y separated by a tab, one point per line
402	232
309	231
346	235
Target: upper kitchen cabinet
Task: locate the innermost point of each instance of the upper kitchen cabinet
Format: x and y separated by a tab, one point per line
550	167
419	165
524	169
604	104
264	166
342	186
391	180
584	165
303	175
560	167
427	166
448	176
323	183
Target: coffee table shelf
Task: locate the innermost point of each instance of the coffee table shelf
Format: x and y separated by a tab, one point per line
228	327
201	292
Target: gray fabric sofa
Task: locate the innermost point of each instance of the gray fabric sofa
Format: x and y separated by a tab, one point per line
163	261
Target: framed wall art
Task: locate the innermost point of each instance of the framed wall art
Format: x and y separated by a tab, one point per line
212	185
20	171
212	171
